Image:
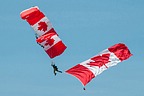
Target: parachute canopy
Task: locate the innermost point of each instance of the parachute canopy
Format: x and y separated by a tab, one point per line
47	36
37	20
94	66
52	44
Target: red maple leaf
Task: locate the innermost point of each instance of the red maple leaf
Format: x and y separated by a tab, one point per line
49	42
100	60
42	26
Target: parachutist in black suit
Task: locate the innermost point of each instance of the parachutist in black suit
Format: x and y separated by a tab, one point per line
55	68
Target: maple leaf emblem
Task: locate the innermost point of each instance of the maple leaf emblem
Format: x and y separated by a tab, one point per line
49	42
100	60
42	26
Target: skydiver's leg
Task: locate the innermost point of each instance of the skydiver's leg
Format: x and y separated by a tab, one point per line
54	72
59	71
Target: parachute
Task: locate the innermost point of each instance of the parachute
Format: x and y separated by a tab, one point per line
52	44
94	66
46	35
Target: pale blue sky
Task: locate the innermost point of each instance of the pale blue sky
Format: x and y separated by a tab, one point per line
87	27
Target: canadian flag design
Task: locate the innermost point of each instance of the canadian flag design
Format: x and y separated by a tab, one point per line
42	27
52	44
94	66
47	36
37	20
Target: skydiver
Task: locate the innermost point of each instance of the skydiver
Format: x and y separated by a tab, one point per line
55	69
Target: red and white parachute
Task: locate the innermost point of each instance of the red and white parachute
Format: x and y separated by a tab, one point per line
47	36
52	44
94	66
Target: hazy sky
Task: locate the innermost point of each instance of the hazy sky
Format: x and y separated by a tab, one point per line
86	27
